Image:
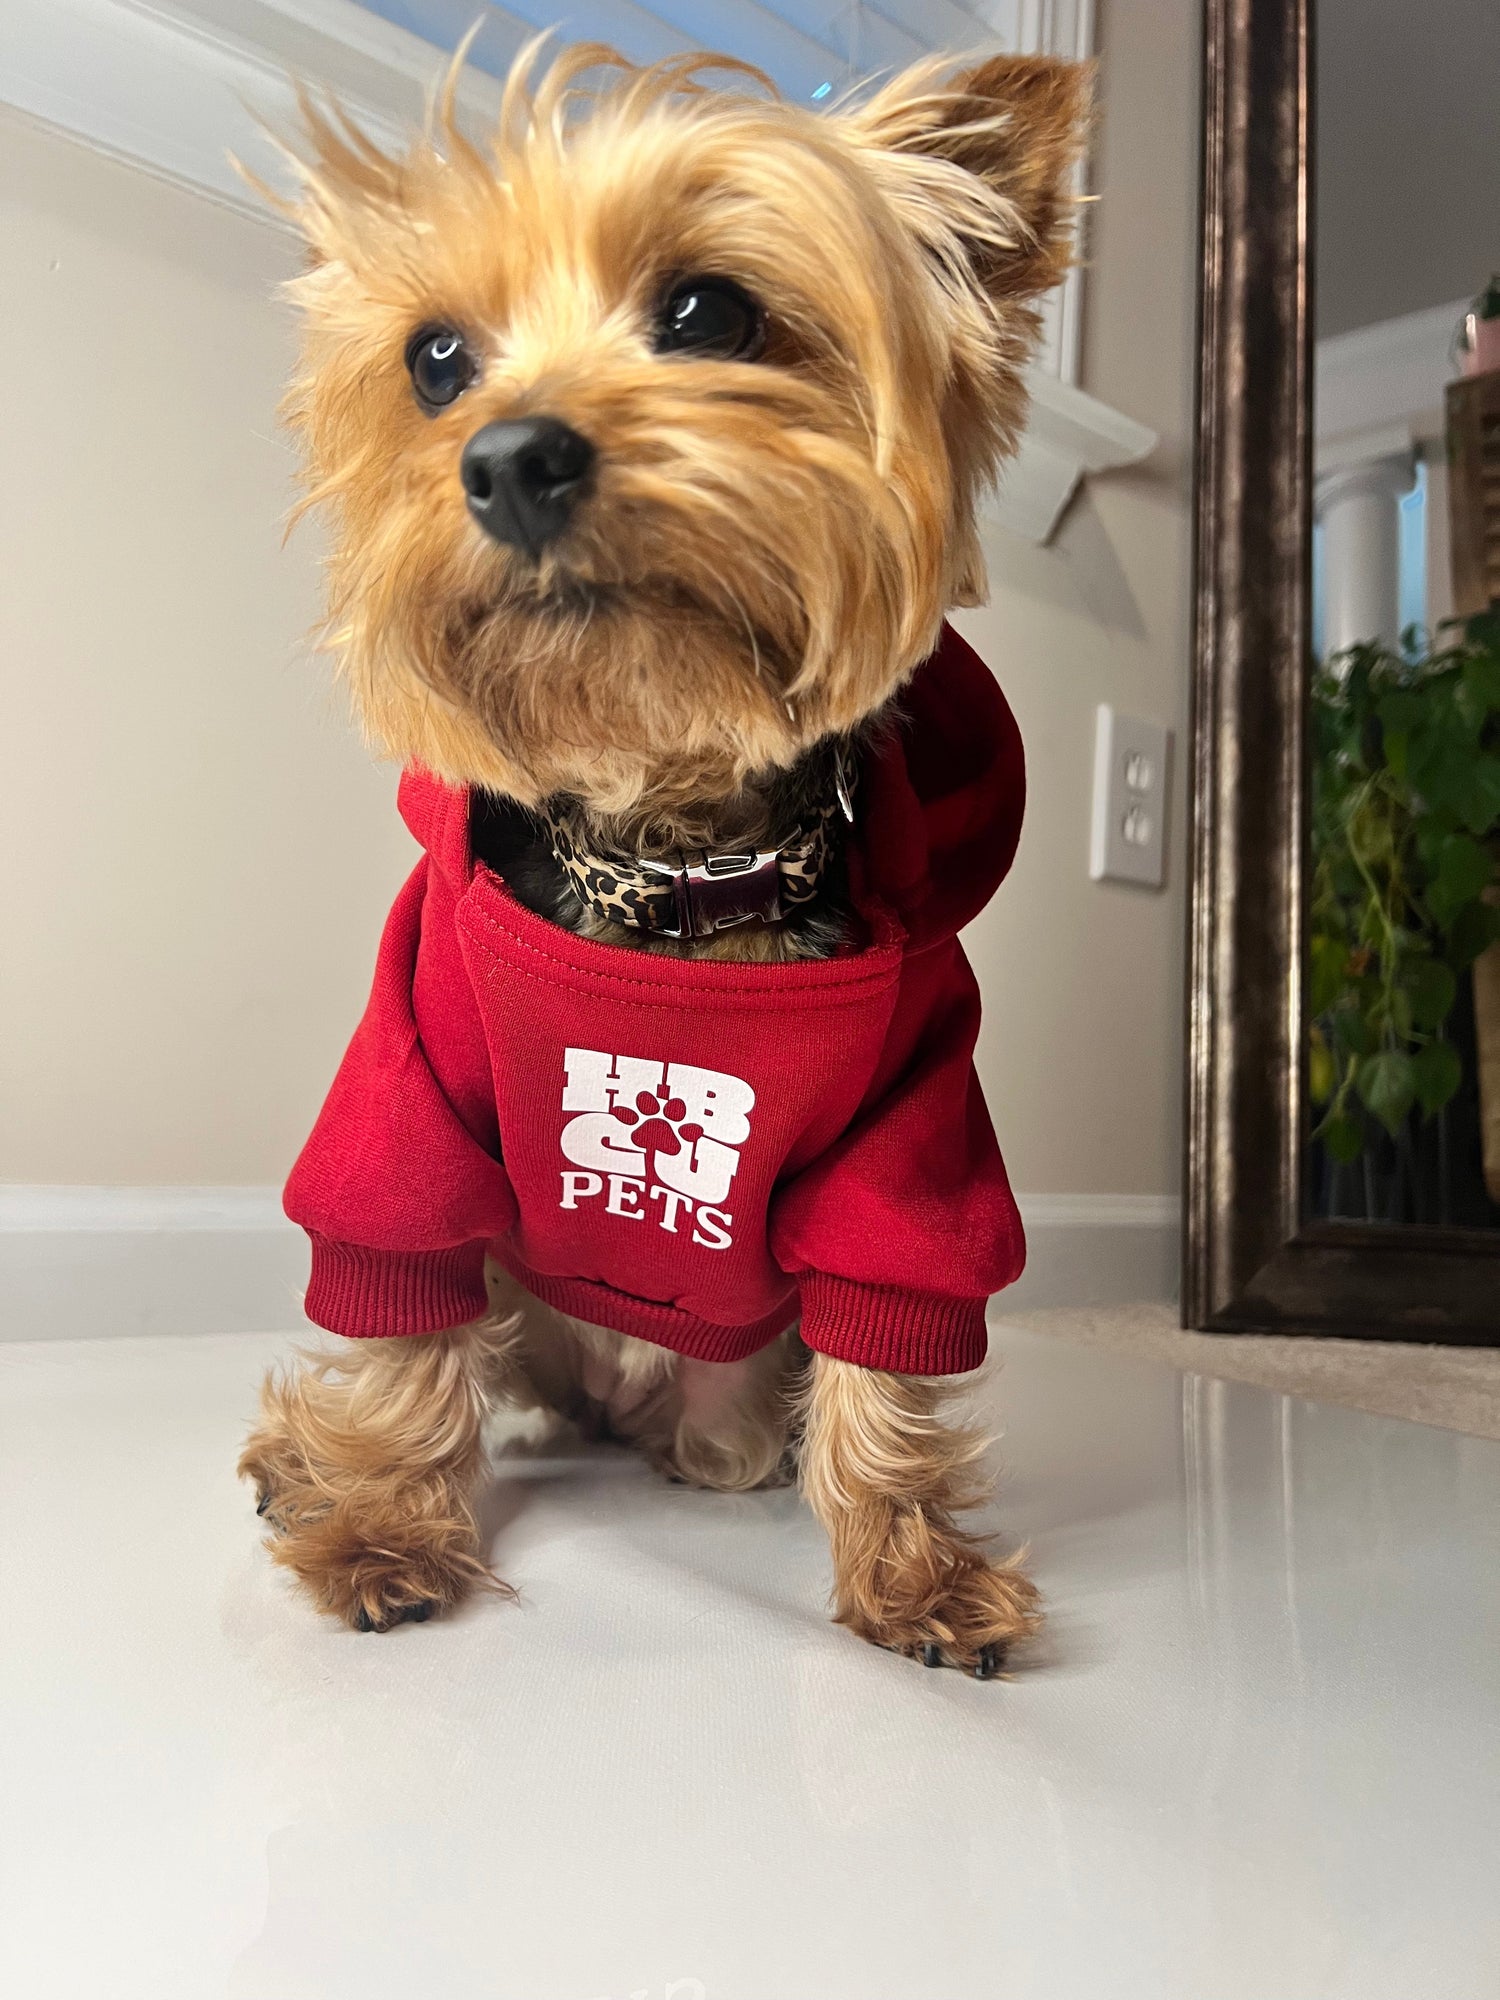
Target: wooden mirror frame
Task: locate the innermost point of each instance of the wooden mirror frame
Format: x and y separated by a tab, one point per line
1253	1260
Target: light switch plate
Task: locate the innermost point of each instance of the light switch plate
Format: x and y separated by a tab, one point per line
1131	768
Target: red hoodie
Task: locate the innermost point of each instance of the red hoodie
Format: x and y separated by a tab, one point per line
690	1151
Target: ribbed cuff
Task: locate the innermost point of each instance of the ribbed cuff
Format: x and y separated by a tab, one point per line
884	1326
371	1294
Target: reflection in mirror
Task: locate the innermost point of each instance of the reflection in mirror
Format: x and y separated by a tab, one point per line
1404	909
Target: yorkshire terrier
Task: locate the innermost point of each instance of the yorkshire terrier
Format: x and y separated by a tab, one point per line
651	434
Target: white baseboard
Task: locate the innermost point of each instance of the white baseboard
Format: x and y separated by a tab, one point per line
1097	1250
77	1262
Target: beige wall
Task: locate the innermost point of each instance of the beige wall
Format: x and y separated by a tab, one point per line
1082	1044
198	855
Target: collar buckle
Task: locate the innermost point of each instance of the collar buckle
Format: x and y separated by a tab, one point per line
843	783
718	890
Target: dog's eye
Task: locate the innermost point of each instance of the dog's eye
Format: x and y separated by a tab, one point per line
712	316
440	365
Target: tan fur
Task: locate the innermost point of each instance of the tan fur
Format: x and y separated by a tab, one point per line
367	1460
885	1474
765	556
771	545
721	1426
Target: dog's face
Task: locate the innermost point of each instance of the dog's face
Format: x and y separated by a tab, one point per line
652	435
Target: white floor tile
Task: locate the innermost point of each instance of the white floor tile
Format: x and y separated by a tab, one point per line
1257	1758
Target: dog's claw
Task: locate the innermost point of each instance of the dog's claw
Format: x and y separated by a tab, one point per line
402	1614
263	1502
988	1662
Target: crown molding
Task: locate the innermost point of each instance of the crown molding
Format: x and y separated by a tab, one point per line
1392	373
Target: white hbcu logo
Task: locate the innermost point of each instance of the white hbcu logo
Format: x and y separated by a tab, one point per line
654	1138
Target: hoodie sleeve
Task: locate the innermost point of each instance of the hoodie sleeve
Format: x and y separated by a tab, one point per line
400	1185
902	1230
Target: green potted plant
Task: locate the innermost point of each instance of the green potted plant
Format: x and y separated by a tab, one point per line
1405	846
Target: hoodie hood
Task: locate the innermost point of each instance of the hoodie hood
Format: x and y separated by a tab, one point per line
942	794
944	791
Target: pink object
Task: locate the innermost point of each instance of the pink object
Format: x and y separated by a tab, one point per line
1481	345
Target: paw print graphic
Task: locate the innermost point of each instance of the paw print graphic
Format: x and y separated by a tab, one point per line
658	1122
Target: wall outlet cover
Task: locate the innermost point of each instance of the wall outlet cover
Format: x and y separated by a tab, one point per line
1131	774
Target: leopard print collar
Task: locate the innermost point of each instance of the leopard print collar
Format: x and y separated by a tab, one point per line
692	895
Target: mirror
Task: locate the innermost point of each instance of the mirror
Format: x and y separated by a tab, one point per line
1403	948
1343	1129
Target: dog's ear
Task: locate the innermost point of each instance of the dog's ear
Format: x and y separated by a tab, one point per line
1018	125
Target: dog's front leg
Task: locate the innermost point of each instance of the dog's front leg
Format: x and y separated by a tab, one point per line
886	1475
367	1461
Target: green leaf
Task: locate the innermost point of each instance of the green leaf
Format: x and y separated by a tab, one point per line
1433	829
1329	961
1353	1030
1474	930
1464	871
1387	1086
1403	712
1344	1139
1400	1014
1481	684
1477	795
1400	714
1322	1070
1432	989
1436	1073
1438	765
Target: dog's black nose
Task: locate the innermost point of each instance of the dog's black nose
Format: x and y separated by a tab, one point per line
523	479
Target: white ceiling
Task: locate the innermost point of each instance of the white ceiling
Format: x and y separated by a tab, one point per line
1407	191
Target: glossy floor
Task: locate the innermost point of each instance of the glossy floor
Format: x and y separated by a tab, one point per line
1258	1757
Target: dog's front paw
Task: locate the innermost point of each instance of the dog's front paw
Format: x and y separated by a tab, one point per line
375	1574
375	1580
968	1615
384	1551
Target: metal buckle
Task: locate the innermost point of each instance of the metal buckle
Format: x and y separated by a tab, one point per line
843	783
719	890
